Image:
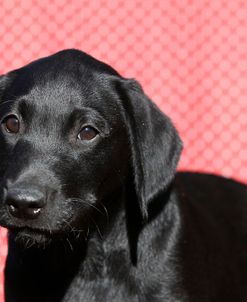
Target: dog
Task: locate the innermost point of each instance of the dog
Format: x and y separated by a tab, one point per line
90	194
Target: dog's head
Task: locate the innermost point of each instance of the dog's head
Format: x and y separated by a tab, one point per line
72	132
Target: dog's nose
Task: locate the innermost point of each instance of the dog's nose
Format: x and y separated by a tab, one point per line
25	203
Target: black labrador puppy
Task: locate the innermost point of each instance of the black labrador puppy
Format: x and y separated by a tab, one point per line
94	207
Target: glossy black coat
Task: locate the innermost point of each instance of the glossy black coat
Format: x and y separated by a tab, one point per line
117	222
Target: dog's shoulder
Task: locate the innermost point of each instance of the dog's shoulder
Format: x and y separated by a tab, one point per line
222	199
213	236
211	188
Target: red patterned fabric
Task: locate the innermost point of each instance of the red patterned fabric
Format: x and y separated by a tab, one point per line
190	57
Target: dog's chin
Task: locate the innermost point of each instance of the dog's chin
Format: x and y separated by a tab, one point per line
28	237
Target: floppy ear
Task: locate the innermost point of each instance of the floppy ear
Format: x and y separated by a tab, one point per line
155	144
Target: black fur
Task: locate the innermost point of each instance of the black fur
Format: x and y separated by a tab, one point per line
117	223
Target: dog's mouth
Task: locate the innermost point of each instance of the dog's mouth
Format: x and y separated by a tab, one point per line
29	237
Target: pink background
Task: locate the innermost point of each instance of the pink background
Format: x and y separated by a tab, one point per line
190	57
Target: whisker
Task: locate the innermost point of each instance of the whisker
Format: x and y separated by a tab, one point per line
97	227
77	233
70	245
29	243
106	212
68	224
5	102
86	203
49	228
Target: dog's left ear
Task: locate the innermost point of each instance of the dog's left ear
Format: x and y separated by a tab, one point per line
154	141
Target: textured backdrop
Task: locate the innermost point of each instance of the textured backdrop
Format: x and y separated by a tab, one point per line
190	57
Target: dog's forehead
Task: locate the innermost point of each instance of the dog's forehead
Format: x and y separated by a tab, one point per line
65	80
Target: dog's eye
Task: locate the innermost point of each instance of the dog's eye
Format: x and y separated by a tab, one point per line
11	124
87	133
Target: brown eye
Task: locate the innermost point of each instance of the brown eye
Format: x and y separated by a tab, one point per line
87	133
12	124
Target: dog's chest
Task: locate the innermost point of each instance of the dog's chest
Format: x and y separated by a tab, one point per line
116	279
